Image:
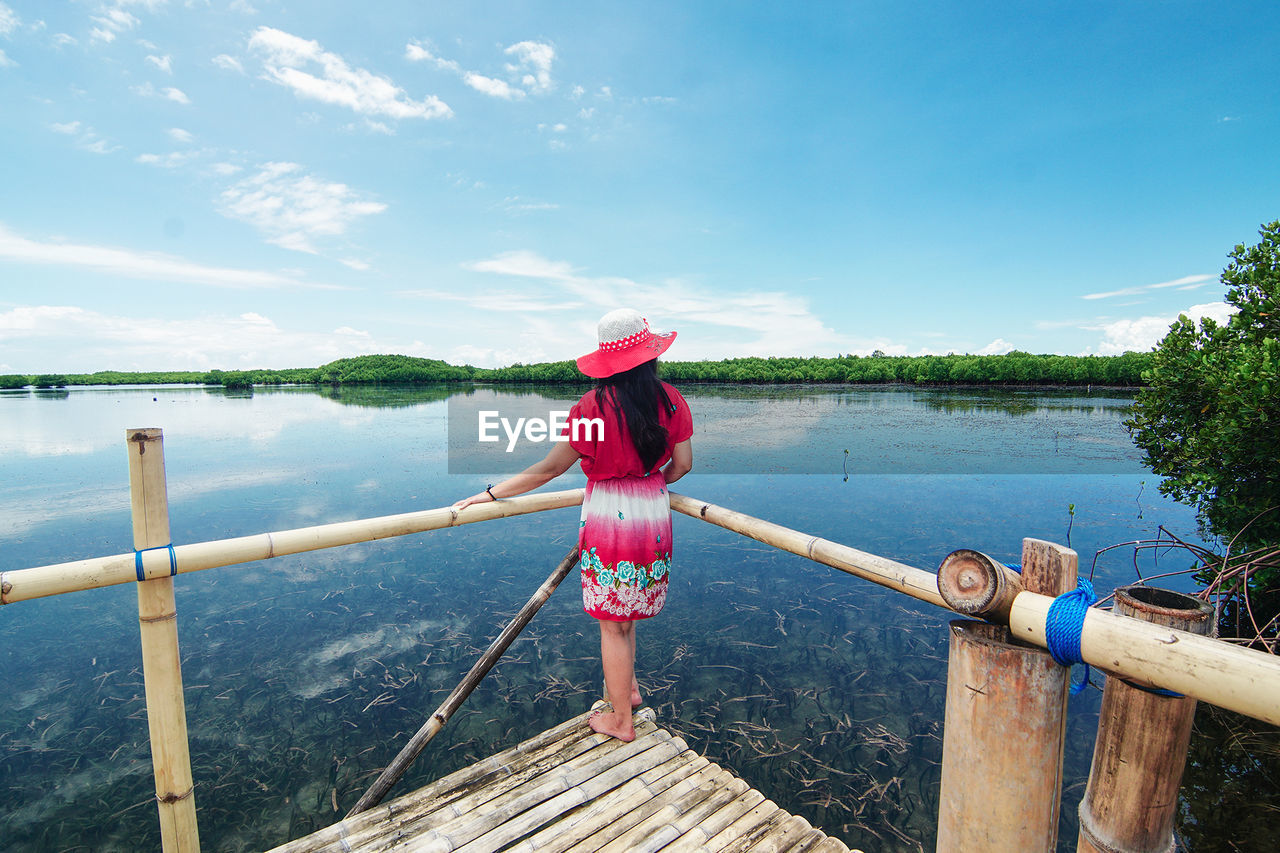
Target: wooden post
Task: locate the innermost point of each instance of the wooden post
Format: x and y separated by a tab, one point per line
1132	797
1005	727
158	624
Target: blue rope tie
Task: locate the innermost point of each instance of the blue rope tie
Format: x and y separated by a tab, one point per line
137	560
1064	625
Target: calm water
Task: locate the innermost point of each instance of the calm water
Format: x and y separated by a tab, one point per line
304	675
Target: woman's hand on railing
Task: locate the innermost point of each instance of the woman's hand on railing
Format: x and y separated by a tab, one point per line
479	498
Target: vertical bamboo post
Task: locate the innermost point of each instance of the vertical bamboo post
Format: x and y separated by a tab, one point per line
1132	796
1005	727
158	625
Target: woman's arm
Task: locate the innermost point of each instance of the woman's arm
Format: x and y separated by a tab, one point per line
681	462
556	462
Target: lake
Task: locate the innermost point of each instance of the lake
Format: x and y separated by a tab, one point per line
304	675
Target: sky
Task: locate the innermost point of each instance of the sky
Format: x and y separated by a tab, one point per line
243	184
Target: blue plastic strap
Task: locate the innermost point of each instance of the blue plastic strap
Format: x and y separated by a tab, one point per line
137	560
1064	624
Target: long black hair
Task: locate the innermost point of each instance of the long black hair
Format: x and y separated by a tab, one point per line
636	397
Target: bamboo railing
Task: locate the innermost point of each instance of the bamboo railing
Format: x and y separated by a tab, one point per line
1239	679
1235	678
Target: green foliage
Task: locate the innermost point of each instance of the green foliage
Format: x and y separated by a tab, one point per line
368	369
9	381
1209	418
50	380
1015	368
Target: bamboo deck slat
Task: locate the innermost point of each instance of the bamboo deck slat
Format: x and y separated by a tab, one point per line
570	790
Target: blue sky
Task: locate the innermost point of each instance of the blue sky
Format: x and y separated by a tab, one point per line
190	185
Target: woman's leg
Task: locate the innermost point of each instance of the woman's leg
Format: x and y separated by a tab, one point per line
617	654
636	700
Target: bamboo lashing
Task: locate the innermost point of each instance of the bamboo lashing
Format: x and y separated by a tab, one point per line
437	721
161	664
58	578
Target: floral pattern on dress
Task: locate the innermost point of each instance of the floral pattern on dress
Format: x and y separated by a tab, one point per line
627	590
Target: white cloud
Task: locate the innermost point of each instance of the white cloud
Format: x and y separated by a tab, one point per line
1188	282
742	322
525	264
129	263
228	63
516	204
494	300
6	62
172	160
415	51
87	138
226	169
535	60
285	57
1142	333
177	134
354	263
111	22
83	339
293	209
997	347
164	63
148	91
490	86
8	20
63	39
98	146
532	70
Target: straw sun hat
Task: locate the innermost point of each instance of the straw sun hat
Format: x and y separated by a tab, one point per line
625	342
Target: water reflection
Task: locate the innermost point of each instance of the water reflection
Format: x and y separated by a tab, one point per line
305	674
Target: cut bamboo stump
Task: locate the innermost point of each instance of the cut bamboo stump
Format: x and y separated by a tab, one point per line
571	790
1005	727
161	665
973	584
1131	800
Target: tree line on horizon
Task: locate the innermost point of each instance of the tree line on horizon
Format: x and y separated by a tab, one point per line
1013	368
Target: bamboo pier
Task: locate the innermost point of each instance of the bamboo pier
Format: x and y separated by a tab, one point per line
569	789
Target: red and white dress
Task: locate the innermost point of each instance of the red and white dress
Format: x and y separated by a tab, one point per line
625	528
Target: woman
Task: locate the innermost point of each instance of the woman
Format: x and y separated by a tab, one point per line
625	527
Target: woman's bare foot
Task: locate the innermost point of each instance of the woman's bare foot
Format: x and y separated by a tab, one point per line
605	723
